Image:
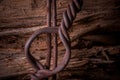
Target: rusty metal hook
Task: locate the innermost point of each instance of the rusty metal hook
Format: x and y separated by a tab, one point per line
68	17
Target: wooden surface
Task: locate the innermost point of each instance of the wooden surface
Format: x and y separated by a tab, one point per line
20	18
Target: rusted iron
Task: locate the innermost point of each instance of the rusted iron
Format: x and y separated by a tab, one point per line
55	47
48	57
68	17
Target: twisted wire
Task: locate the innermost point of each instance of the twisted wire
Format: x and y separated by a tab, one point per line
68	16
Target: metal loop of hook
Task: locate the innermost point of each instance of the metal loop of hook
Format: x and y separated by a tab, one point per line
68	16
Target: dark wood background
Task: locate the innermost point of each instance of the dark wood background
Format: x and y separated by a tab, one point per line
20	18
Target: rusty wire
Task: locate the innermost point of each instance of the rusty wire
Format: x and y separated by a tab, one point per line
55	47
48	57
68	17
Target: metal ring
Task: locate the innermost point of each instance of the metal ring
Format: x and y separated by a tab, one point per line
36	64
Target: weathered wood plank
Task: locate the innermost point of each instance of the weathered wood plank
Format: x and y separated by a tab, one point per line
20	31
